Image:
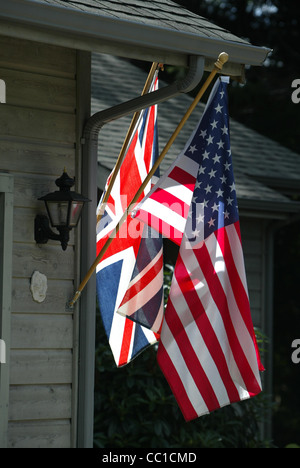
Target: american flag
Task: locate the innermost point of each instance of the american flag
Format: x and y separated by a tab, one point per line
208	351
130	275
166	206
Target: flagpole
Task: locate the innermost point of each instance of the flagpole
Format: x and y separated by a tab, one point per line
222	59
120	159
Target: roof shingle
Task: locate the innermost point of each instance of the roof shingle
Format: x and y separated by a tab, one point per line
164	13
253	154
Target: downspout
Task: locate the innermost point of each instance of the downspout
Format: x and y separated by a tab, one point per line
88	233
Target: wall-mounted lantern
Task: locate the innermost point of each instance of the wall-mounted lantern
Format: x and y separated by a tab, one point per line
64	208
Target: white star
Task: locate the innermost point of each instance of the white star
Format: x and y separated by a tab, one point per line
205	155
227	166
208	189
220	193
220	144
222	94
210	140
202	170
216	159
229	201
197	185
211	222
203	133
218	108
212	173
215	207
193	149
225	130
223	179
200	219
214	124
226	214
195	233
232	187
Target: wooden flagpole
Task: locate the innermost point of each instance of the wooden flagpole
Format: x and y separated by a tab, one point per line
120	159
222	59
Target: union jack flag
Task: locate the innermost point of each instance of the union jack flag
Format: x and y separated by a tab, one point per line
130	275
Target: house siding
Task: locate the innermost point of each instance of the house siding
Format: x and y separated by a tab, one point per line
253	232
252	237
38	137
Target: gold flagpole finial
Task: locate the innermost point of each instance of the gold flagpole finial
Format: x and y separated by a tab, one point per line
222	59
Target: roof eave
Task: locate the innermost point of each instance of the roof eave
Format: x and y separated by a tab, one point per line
276	210
96	32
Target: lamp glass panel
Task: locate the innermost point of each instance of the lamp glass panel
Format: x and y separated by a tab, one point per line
58	212
75	213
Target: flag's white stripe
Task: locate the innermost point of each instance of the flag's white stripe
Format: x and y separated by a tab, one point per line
139	300
140	148
198	344
183	162
162	211
237	253
115	194
240	327
116	336
245	339
128	258
138	154
159	318
108	229
187	164
147	268
213	316
187	380
172	186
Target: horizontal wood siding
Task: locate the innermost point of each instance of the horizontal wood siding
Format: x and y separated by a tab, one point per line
37	140
252	231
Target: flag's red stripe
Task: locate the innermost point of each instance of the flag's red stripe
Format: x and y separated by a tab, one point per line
127	337
238	230
239	292
238	289
190	357
149	139
208	333
182	177
144	281
161	226
173	203
169	370
220	299
129	175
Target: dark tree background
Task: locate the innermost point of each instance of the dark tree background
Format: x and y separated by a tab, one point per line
264	103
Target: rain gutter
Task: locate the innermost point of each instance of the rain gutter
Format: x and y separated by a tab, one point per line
88	234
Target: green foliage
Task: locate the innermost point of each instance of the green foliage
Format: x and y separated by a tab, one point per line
264	103
135	408
286	378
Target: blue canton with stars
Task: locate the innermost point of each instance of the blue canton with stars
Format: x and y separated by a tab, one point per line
214	202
